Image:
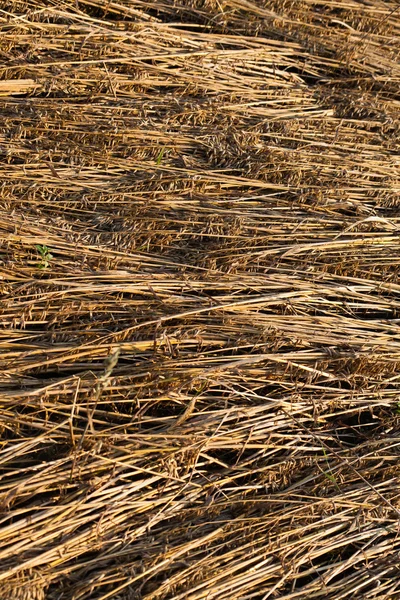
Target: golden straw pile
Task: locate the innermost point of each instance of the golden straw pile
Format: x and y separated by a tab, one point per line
200	299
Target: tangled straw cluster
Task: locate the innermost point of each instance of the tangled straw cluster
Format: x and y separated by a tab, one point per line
200	341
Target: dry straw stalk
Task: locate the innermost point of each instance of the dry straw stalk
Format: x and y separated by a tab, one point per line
200	300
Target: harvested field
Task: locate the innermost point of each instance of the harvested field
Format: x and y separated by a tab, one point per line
200	300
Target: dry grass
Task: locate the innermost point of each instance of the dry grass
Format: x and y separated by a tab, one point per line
199	269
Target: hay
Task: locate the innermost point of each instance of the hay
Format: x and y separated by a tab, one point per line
199	265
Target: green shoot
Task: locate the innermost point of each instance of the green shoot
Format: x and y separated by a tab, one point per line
45	256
